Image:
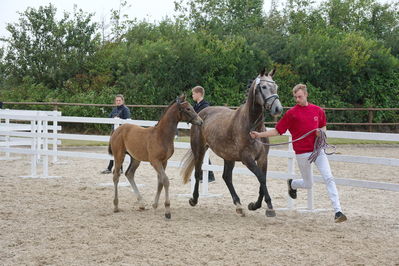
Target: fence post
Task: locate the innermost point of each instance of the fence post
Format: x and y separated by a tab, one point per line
7	137
33	168
55	131
39	130
310	197
45	149
371	118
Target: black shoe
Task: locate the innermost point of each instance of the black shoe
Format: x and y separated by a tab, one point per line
291	191
106	171
211	177
340	217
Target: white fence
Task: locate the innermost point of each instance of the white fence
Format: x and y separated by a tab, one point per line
38	129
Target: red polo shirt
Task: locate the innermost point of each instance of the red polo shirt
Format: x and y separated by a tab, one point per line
299	120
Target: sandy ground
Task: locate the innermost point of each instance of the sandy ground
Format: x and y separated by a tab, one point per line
70	220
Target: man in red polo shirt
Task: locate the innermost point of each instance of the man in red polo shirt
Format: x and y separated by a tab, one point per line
299	120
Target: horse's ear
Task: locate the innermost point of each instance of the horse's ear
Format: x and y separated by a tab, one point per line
183	97
249	84
262	72
271	73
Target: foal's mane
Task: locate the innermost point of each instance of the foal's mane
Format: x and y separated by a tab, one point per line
165	111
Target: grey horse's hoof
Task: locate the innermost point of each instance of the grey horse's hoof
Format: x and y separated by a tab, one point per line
270	213
168	216
252	206
192	202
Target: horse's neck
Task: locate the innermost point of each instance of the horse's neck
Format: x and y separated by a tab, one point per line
168	123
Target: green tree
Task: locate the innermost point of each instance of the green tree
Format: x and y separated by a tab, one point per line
48	51
379	21
222	17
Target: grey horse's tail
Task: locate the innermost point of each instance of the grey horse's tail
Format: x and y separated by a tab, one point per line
188	166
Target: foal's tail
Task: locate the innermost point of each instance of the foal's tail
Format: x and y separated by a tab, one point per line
109	143
188	166
109	148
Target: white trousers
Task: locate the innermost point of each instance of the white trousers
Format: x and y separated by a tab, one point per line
307	176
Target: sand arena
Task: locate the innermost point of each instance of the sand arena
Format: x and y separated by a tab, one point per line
70	220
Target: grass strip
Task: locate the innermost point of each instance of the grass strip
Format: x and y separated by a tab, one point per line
274	140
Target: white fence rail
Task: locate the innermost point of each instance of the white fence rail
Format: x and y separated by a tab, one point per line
38	129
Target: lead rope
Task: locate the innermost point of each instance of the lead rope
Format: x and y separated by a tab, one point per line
319	144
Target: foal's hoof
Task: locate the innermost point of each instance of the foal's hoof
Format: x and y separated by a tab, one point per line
270	213
141	208
253	206
240	211
116	210
168	216
192	202
154	205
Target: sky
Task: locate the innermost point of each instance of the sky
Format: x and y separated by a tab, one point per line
151	10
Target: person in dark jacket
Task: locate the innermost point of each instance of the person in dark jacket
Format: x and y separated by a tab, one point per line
198	94
119	111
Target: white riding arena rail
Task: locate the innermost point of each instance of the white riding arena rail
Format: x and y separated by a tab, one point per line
38	129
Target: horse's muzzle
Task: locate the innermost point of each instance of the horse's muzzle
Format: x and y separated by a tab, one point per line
276	108
197	121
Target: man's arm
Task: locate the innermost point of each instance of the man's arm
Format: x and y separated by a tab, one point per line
264	134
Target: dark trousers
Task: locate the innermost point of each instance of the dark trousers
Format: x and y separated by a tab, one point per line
111	164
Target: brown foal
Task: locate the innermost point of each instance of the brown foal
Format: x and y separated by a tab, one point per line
152	144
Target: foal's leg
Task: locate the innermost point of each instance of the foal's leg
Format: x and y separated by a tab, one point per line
159	189
228	179
160	186
261	175
166	185
163	181
134	164
117	173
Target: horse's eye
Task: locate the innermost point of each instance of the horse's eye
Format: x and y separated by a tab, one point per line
264	87
187	109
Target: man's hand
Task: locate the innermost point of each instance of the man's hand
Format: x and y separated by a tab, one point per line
254	134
